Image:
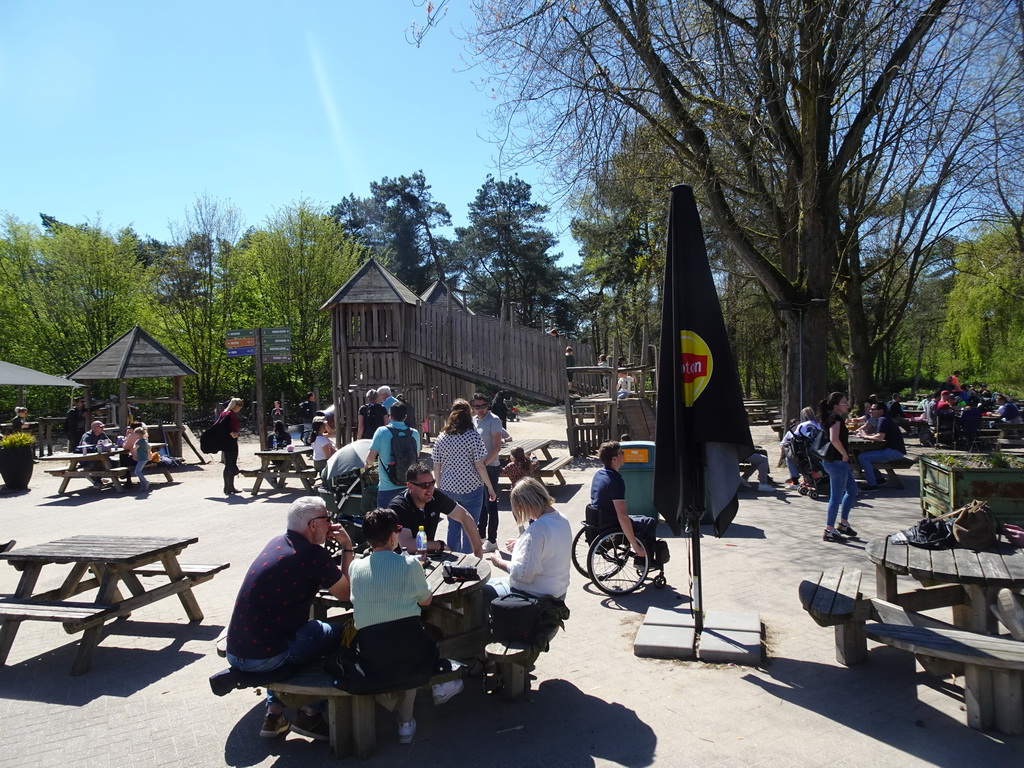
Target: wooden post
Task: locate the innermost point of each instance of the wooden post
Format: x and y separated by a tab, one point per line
257	410
122	406
175	446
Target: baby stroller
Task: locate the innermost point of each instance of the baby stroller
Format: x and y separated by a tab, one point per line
349	491
813	478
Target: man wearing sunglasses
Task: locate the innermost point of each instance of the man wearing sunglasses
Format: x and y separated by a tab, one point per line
270	626
422	504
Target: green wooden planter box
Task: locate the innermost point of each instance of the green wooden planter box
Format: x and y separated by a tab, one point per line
944	489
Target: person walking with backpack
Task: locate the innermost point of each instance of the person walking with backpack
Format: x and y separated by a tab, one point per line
395	447
460	471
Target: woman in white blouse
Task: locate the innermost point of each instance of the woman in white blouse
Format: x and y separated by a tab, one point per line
459	470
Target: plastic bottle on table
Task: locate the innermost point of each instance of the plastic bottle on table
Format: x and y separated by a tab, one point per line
421	544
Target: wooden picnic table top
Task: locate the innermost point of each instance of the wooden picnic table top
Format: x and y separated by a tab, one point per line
440	588
528	446
998	566
281	453
97	549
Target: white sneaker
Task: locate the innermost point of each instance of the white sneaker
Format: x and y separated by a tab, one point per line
490	546
446	691
764	488
406	731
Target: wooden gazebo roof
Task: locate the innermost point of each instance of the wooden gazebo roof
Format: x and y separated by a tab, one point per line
133	355
373	284
438	293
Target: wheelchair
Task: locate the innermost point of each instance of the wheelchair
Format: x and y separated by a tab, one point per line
601	552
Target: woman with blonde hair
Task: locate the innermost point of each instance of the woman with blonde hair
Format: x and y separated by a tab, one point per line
459	470
234	428
541	555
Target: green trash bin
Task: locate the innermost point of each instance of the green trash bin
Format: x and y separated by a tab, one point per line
638	474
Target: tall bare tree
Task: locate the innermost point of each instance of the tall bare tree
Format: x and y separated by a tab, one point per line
831	141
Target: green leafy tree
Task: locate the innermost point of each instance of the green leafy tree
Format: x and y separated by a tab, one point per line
293	263
197	291
504	257
399	221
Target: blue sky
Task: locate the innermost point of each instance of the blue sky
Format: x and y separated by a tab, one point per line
126	111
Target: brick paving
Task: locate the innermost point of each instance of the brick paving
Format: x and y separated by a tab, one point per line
146	701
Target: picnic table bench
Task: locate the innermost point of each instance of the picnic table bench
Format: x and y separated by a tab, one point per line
98	466
553	468
111	560
278	465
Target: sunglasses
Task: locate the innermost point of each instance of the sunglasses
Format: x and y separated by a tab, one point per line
427	484
479	406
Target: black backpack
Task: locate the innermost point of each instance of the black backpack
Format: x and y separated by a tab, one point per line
374	418
214	439
403	453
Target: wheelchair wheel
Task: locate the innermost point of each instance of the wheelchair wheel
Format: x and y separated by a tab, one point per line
612	566
580	548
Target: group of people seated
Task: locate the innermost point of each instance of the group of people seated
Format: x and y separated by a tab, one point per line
270	629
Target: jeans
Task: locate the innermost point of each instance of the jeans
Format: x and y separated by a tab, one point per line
843	490
458	541
758	463
314	640
139	466
794	470
384	497
882	455
230	464
487	525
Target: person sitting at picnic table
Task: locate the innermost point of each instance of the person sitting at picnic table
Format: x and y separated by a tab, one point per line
281	437
608	493
422	504
541	555
94	437
19	422
1008	410
392	646
887	432
758	463
270	626
519	466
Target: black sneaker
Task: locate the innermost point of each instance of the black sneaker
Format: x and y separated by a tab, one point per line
314	726
846	530
833	536
882	480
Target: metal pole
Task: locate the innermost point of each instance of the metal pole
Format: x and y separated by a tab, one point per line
696	514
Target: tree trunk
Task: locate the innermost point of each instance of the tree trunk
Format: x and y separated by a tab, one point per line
804	358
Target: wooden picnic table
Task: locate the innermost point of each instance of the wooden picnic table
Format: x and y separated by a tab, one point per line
111	561
278	465
529	446
97	465
968	581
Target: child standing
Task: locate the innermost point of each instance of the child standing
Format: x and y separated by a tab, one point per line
141	456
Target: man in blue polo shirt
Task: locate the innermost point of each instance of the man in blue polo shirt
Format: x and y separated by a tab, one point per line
608	493
888	432
270	625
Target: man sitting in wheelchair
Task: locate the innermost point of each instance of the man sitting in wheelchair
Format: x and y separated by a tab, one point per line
608	493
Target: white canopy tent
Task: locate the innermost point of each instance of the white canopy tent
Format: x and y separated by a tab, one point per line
12	375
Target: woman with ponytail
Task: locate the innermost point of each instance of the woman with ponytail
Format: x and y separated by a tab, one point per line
832	417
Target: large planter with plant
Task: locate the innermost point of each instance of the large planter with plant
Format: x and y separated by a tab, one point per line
16	459
949	481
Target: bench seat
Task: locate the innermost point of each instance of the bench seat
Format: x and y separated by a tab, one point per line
889	468
198	573
351	719
70	614
553	468
511	660
833	599
993	666
118	472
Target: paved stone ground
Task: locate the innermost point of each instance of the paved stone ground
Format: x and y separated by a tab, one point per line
146	701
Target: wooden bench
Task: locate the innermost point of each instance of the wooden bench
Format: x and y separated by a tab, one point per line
553	468
76	617
119	472
833	599
890	466
993	666
512	667
351	719
198	573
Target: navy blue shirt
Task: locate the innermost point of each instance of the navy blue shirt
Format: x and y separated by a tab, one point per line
605	488
893	436
273	602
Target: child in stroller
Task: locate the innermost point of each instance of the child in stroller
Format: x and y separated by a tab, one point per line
805	470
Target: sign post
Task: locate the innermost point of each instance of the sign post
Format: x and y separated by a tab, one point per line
266	345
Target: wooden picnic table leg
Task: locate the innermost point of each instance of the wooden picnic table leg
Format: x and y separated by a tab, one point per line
9	627
70	585
264	468
885	584
108	594
339	724
188	600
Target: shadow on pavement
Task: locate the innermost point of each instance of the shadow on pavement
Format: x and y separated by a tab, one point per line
557	724
117	672
880	699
